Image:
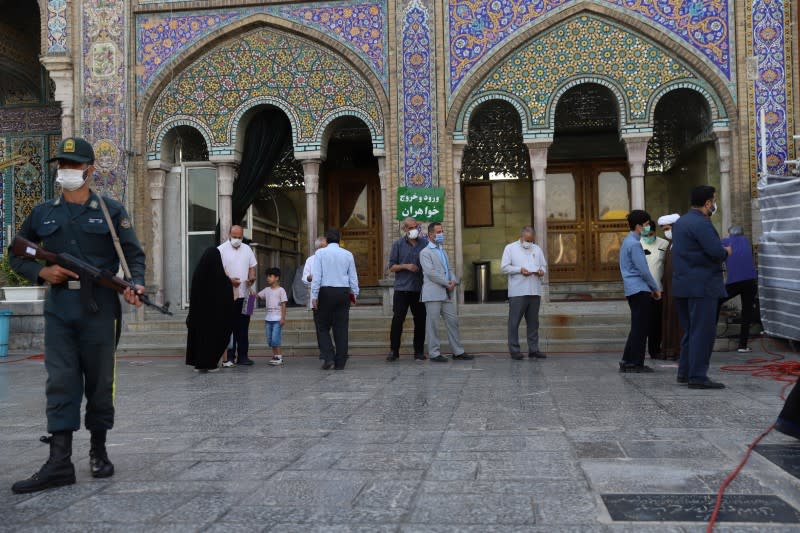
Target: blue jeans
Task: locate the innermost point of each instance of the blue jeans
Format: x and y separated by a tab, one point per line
273	331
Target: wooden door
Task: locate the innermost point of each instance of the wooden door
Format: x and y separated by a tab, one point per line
354	206
587	203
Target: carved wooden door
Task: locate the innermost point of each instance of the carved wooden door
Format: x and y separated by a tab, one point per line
587	203
354	206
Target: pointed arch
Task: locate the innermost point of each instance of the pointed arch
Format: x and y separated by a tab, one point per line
634	25
228	34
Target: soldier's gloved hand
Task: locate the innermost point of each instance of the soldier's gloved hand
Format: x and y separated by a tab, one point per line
133	297
55	274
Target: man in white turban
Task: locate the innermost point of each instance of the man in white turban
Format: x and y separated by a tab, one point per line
670	326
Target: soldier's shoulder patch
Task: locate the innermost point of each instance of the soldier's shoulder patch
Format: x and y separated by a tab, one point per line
125	223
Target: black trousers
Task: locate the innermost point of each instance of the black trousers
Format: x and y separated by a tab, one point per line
654	330
333	312
79	359
403	300
747	290
641	309
241	329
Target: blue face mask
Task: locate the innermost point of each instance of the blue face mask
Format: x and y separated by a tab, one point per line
439	238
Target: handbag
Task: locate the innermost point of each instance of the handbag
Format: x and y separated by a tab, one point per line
249	304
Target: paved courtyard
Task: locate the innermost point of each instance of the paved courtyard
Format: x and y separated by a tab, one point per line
484	445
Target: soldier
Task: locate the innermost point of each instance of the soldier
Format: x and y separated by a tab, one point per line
81	320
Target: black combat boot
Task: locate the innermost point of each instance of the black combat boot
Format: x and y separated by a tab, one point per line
98	458
56	472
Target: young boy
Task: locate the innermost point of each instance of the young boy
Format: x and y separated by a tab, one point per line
275	297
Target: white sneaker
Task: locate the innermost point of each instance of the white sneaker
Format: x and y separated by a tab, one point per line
744	350
227	364
275	361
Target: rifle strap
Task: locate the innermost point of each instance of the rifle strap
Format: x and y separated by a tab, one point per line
115	238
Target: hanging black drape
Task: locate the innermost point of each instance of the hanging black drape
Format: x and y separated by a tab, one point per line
264	139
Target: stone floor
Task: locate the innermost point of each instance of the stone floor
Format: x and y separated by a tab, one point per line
487	445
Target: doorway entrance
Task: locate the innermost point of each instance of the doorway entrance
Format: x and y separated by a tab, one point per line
354	196
587	202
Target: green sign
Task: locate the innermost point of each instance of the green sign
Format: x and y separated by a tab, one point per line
421	203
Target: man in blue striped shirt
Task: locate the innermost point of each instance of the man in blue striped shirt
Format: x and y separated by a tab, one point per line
640	288
334	285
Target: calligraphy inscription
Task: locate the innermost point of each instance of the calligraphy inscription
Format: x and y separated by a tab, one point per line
423	204
698	508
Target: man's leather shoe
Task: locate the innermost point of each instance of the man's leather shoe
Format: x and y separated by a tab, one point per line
537	355
393	356
464	357
338	367
56	472
707	385
99	463
327	365
246	362
682	379
644	369
439	359
517	356
419	356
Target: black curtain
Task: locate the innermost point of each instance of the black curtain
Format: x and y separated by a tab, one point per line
264	139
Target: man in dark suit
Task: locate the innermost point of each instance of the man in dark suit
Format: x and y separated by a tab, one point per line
697	285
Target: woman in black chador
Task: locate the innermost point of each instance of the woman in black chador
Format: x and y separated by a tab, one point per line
209	322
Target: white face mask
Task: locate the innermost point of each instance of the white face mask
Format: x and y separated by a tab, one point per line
527	245
668	234
413	234
236	242
71	179
713	209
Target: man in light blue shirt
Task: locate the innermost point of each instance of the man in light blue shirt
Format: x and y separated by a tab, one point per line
640	288
334	285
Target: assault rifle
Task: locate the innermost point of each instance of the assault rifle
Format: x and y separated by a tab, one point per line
89	275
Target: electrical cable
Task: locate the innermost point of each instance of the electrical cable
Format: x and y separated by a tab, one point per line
776	368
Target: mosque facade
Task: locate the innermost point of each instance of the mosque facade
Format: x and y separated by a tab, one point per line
290	117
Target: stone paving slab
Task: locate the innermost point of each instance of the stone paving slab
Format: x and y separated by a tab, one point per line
482	446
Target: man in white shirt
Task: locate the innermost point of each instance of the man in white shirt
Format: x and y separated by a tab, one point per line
334	286
239	262
525	265
308	276
655	252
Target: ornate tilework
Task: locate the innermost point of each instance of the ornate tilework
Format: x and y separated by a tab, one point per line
4	190
419	133
28	177
478	27
771	43
104	92
308	81
361	27
580	48
57	26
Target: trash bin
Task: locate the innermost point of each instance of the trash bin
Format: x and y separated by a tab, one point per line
5	325
482	277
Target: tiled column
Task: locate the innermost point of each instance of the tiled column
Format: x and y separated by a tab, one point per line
386	212
637	157
157	173
60	70
311	181
537	152
458	252
226	173
723	141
